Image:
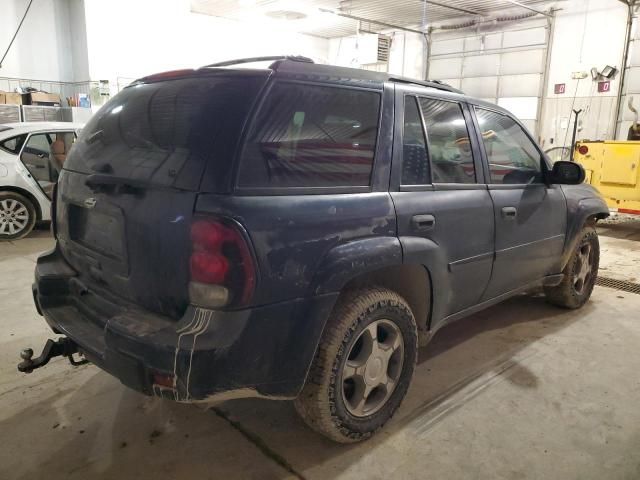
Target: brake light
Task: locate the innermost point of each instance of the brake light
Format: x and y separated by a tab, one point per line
221	265
583	149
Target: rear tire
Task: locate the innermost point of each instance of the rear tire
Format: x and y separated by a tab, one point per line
363	366
17	216
579	274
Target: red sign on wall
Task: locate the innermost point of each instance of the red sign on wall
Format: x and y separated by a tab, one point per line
559	88
604	87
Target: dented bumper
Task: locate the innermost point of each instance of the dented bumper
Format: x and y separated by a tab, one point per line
206	355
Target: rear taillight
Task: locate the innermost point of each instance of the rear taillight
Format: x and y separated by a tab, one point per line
221	265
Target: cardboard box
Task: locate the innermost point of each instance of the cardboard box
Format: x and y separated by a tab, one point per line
45	99
13	98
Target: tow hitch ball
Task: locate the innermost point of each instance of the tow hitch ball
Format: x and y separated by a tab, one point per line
53	348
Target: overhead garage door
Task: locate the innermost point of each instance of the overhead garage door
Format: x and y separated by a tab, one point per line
504	67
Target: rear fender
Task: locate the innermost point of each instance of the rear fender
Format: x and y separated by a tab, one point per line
350	260
423	251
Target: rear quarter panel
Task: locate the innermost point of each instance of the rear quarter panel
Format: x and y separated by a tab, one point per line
311	244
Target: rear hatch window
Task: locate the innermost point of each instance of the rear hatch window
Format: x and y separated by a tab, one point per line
165	133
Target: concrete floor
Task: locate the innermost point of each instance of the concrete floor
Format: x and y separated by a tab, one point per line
522	390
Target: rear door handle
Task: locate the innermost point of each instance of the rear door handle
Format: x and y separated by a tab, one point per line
509	212
423	222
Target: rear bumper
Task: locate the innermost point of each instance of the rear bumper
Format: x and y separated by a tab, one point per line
205	356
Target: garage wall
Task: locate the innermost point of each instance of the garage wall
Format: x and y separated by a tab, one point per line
160	35
406	57
41	49
587	33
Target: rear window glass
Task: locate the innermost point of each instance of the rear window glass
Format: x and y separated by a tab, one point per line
312	136
449	143
165	133
13	144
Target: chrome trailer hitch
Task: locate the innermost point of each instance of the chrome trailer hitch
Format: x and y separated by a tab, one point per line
63	347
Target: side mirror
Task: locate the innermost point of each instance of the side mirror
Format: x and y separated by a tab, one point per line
567	173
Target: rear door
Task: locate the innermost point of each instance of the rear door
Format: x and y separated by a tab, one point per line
530	216
128	188
445	214
43	155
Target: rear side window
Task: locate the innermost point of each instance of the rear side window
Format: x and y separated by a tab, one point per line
13	144
312	136
166	133
449	143
415	164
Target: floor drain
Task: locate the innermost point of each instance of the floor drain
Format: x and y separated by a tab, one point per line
618	284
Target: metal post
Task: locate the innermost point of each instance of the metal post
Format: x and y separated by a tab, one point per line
542	103
575	132
623	73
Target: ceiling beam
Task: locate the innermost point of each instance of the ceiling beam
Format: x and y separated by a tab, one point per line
374	22
527	7
451	7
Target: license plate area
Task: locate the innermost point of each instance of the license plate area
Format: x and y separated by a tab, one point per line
101	232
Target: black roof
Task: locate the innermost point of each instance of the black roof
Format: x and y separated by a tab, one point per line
306	66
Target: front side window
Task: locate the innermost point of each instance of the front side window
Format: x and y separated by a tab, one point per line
449	143
312	136
415	164
13	144
512	156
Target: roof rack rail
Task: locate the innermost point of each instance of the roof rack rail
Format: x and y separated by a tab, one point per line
273	58
426	83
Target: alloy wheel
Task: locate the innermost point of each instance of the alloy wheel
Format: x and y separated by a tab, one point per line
583	269
373	368
14	217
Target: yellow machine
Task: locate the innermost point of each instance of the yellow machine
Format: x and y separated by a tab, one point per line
612	168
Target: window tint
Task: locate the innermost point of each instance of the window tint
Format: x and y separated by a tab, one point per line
449	145
167	133
13	144
415	164
312	136
512	156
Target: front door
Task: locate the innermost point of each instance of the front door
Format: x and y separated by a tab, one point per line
530	216
445	214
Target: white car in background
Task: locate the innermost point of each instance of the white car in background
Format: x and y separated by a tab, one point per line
31	156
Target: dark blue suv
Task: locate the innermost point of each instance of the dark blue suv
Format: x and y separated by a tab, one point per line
294	232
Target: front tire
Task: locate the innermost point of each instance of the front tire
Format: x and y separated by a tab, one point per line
579	274
363	366
17	216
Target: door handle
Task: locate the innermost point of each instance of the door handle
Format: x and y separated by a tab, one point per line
509	212
423	222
